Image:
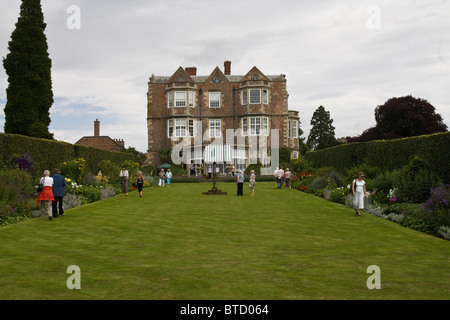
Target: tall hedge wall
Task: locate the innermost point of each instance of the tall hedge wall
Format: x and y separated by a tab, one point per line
389	154
49	154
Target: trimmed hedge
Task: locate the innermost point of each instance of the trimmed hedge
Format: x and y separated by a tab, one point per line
388	154
49	154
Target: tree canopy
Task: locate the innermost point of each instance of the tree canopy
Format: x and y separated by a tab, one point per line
29	94
403	117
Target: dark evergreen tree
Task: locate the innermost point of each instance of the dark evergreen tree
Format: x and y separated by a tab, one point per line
321	135
28	66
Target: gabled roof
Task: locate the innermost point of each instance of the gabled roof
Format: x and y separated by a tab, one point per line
255	75
99	142
180	76
216	76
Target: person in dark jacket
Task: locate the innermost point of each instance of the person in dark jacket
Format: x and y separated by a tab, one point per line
59	182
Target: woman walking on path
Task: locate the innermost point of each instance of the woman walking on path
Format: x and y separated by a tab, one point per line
252	182
359	192
58	193
45	197
140	183
287	178
168	177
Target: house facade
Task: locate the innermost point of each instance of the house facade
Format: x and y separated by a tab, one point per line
220	118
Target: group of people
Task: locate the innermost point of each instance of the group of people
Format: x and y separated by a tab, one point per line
282	178
138	184
51	196
240	183
164	177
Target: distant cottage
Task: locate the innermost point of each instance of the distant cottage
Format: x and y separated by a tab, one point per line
252	104
101	142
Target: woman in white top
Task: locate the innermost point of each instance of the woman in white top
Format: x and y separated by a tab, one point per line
45	197
359	192
124	175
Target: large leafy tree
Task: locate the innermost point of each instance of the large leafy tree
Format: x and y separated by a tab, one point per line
321	135
404	117
28	65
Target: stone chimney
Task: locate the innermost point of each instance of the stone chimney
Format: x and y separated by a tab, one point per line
96	128
227	65
192	71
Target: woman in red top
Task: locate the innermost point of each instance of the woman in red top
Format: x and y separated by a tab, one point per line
46	195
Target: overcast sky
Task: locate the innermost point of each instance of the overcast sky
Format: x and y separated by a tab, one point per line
349	56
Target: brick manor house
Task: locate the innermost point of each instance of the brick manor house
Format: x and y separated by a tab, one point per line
182	106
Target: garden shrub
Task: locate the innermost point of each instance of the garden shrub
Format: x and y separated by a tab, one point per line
444	232
109	169
254	166
177	171
16	196
318	183
339	195
74	169
91	193
436	210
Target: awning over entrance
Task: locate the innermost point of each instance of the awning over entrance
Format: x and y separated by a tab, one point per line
217	153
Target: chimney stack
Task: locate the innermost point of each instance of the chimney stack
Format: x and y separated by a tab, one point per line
192	71
96	128
227	65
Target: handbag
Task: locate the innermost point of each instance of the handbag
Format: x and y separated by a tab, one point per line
41	185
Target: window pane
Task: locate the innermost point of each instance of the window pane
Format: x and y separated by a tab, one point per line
265	126
255	126
170	128
180	127
180	99
191	128
255	96
295	129
170	100
214	99
191	99
244	97
244	127
214	128
265	96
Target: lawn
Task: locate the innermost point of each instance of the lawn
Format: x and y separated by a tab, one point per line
177	244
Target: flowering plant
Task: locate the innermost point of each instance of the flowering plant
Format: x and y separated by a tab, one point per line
74	169
23	161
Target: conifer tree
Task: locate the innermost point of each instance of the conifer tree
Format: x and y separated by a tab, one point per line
28	66
321	135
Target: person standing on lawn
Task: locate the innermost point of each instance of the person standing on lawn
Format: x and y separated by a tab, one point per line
240	183
359	193
58	193
45	197
287	178
280	174
252	182
168	177
162	177
275	175
124	175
